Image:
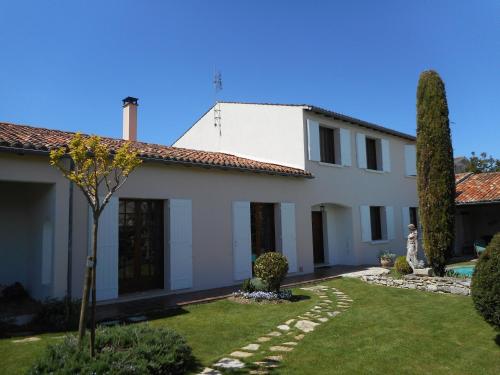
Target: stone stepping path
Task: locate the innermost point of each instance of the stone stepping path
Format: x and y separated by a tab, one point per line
273	345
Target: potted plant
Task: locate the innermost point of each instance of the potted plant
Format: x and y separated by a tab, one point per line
386	258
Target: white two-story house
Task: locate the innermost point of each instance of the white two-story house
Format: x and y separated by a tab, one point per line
319	187
363	194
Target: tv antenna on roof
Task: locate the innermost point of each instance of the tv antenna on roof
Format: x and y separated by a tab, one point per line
217	111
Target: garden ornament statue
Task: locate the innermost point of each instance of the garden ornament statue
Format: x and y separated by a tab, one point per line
412	247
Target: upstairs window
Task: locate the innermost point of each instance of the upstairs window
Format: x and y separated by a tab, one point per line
371	154
327	140
329	145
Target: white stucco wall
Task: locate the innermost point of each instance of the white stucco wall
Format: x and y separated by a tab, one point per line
353	187
37	203
269	133
279	134
212	193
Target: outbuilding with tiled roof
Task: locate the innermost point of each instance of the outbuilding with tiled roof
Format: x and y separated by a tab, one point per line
478	209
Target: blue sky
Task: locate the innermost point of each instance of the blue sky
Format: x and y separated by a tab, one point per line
67	64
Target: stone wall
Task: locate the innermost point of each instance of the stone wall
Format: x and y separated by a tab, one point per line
426	283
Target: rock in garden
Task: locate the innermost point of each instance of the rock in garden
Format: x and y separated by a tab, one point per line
263	339
27	339
239	354
210	371
252	347
305	325
229	363
279	348
274	334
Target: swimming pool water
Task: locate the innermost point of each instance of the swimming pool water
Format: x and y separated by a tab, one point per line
465	270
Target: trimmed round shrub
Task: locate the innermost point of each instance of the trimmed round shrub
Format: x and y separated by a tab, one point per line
402	266
485	286
133	349
272	268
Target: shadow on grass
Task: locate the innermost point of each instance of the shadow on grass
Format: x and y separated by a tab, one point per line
497	339
300	297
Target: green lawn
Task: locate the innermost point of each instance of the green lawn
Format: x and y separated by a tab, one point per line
399	331
386	330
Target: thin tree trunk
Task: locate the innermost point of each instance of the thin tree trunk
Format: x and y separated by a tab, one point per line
93	284
85	301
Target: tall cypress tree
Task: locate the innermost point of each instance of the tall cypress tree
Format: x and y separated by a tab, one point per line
435	174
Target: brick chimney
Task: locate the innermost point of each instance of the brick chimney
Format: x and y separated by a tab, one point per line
130	118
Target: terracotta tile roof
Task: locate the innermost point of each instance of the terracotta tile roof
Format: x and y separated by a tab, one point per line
24	138
477	188
461	176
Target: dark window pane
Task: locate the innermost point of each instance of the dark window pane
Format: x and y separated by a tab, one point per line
414	216
327	145
376	223
371	154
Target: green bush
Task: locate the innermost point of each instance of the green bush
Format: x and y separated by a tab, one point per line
247	286
485	286
272	268
58	315
134	349
259	285
402	266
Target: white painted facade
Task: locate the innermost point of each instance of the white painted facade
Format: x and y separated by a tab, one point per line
207	218
344	191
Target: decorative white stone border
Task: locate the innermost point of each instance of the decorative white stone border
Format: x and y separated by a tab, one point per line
289	333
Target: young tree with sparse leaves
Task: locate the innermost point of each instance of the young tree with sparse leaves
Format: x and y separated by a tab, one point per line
435	171
92	166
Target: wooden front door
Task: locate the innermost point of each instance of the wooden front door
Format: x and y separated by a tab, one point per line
317	231
140	261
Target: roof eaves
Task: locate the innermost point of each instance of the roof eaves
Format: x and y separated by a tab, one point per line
45	152
478	202
355	121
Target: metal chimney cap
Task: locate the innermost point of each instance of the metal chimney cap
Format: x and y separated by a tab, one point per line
130	100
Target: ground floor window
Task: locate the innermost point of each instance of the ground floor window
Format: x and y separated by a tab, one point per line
263	228
376	222
141	249
414	216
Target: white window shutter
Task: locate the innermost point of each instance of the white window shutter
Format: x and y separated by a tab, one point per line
405	212
47	251
389	217
313	140
411	160
242	241
288	235
181	243
107	251
361	150
366	229
386	155
345	147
